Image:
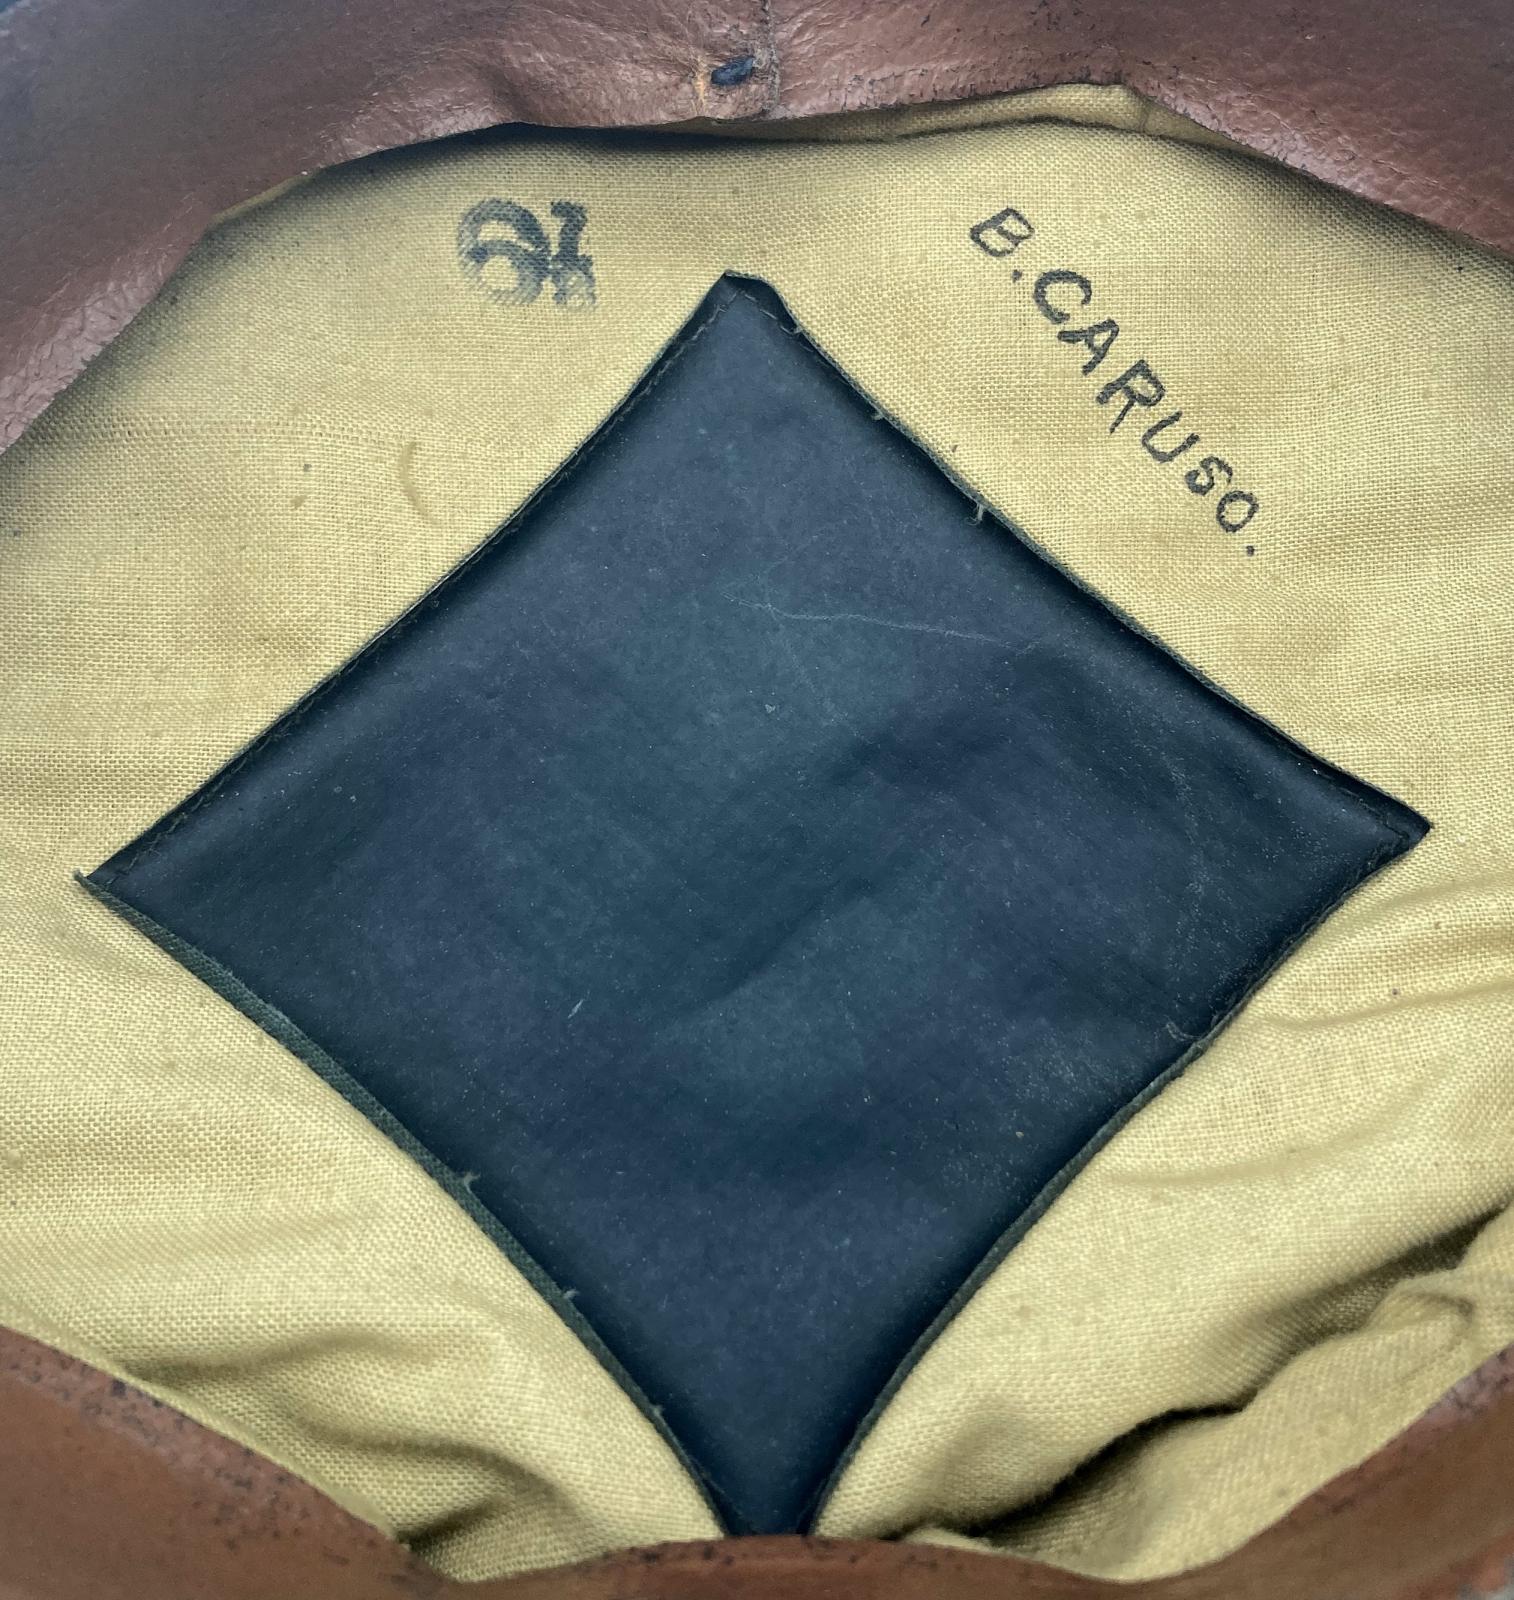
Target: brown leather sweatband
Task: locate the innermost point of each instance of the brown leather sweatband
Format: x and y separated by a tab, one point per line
127	126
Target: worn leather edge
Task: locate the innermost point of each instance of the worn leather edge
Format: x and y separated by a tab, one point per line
107	1494
128	126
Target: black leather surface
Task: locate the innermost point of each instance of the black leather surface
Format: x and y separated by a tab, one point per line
762	880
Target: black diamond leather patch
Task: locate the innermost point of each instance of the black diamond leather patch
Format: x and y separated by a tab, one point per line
764	881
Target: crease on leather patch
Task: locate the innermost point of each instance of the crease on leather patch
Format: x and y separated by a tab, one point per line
752	884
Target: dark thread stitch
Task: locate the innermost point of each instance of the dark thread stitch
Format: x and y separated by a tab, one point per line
655	372
458	1186
1246	986
733	72
665	359
1353	787
222	981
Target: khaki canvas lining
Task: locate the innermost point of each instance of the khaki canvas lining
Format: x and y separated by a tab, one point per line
1265	1275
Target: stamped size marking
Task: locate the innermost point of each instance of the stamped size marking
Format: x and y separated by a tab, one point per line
504	248
1065	299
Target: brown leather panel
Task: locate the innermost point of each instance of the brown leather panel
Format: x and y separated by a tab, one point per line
108	1495
1406	103
128	125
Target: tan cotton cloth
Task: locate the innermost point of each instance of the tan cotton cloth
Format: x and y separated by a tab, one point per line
1264	1276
